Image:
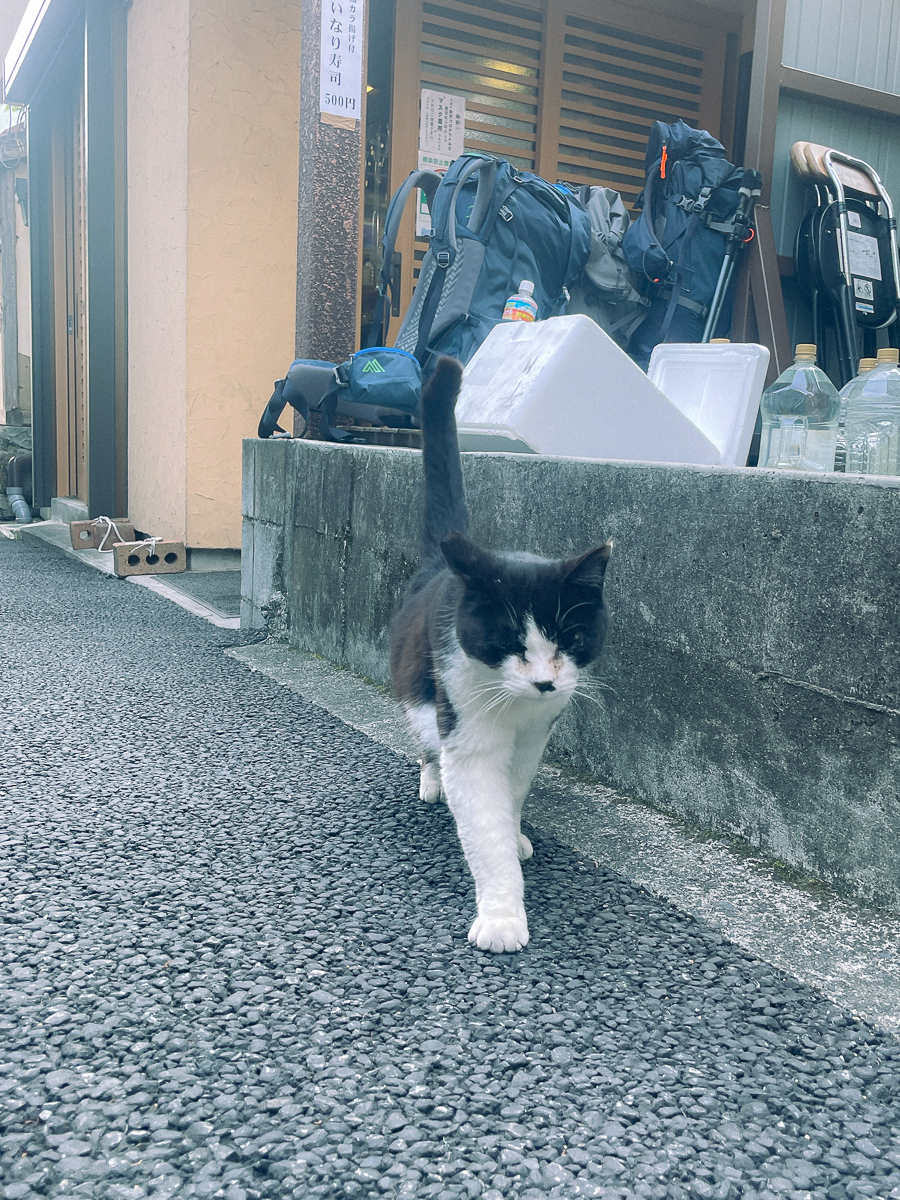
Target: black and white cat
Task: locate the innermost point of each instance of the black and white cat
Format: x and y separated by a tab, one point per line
486	652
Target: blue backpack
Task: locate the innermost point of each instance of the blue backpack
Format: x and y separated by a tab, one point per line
492	227
677	246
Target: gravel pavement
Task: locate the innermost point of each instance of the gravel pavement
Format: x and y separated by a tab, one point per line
233	962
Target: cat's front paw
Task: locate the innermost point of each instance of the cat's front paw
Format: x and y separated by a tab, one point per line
430	789
524	848
501	933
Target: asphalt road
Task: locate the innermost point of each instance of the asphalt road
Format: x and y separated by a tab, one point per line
233	962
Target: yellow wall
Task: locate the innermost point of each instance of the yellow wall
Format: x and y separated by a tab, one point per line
243	147
158	44
230	286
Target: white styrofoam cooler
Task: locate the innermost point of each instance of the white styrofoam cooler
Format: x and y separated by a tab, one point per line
717	386
563	387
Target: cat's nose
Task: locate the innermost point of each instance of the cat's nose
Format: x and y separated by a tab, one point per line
544	685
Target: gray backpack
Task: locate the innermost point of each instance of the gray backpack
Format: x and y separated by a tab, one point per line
607	292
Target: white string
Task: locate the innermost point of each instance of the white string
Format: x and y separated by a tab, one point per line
150	541
111	527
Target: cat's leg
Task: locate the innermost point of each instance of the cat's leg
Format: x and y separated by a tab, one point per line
527	754
422	720
478	793
430	788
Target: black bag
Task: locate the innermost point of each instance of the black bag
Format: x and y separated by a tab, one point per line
689	203
380	384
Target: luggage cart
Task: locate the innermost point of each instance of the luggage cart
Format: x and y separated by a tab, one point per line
846	252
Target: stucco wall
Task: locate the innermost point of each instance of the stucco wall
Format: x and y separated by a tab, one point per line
242	241
213	93
158	44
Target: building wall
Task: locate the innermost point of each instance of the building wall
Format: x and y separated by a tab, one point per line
868	136
212	194
158	111
857	41
23	271
243	147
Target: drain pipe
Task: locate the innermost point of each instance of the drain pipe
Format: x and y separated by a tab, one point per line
18	471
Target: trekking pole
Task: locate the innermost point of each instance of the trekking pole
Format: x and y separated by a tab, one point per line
741	233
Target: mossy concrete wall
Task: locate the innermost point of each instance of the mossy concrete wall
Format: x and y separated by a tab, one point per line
750	682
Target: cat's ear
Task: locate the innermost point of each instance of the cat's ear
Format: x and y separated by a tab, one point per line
589	569
465	558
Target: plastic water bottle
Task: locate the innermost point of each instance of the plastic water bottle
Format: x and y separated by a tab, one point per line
521	306
800	413
873	420
849	389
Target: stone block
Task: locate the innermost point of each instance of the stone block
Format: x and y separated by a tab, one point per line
89	535
143	558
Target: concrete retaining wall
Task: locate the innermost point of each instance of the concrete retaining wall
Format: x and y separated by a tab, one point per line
750	679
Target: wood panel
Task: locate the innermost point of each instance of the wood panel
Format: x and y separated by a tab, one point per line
567	88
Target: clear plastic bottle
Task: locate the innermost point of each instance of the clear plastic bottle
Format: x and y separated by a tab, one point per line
521	306
873	420
849	389
799	417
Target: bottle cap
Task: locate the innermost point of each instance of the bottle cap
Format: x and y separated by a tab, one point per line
805	352
527	287
867	364
720	341
888	355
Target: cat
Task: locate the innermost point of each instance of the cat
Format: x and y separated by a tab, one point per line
486	652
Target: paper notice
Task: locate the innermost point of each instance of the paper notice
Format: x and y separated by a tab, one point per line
431	162
442	123
864	257
340	78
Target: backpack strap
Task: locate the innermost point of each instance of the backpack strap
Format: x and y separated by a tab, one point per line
481	215
428	181
647	211
571	269
268	422
481	209
681	269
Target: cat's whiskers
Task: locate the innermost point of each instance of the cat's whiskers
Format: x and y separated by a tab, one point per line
589	682
571	609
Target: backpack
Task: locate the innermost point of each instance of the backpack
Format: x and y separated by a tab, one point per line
379	384
689	204
492	227
608	291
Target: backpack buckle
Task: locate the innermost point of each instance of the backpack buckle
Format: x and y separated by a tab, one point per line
505	213
694	206
442	258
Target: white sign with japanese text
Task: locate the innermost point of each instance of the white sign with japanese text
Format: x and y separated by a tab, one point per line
432	162
442	132
442	123
340	87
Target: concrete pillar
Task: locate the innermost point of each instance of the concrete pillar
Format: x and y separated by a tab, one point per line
327	213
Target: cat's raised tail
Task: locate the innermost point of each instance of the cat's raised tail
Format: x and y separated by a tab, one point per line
445	508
